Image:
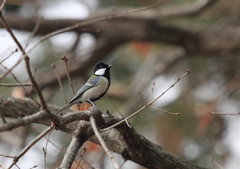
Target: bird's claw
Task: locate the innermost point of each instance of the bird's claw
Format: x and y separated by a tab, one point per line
94	107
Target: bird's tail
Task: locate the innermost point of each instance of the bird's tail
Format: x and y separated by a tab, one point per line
63	109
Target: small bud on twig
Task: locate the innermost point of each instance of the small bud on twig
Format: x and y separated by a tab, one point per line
64	58
53	65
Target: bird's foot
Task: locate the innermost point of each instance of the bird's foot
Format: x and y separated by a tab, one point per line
94	107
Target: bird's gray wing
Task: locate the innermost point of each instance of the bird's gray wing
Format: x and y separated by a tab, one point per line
92	81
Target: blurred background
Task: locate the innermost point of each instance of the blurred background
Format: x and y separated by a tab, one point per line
148	50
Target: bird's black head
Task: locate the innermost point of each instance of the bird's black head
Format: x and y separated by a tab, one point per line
102	69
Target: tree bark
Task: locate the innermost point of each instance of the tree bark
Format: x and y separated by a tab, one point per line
121	139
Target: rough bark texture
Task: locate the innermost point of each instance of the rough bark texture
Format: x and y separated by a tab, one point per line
122	139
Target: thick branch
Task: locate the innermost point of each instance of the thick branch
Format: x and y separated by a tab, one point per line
127	29
79	137
154	155
123	140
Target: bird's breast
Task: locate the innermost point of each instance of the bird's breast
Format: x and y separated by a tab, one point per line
97	91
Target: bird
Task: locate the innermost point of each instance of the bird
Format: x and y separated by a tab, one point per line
94	89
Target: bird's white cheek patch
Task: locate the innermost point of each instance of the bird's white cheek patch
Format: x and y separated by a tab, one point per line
100	71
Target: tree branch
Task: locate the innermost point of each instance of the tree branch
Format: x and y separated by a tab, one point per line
126	29
188	9
26	58
122	139
79	137
16	158
103	144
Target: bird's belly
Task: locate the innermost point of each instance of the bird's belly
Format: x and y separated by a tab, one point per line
96	91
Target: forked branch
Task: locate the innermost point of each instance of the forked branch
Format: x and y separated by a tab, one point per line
149	104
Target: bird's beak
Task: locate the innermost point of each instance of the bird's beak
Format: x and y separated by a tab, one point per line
109	66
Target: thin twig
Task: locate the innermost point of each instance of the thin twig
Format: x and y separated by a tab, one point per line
215	162
82	23
103	144
20	83
185	74
34	31
90	21
26	58
30	38
17	166
217	113
60	148
65	60
147	105
142	98
123	163
16	50
6	156
15	84
9	70
2	6
16	158
118	111
59	82
74	81
164	111
130	116
150	97
80	158
45	152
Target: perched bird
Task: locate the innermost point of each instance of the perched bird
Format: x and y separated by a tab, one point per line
96	87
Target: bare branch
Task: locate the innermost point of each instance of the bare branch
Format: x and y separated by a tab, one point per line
2	5
122	139
152	89
81	156
23	121
118	111
16	158
15	84
88	22
45	152
34	31
103	144
215	162
6	156
147	105
65	60
165	111
59	82
26	58
79	137
16	50
144	101
13	75
188	9
188	71
217	113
